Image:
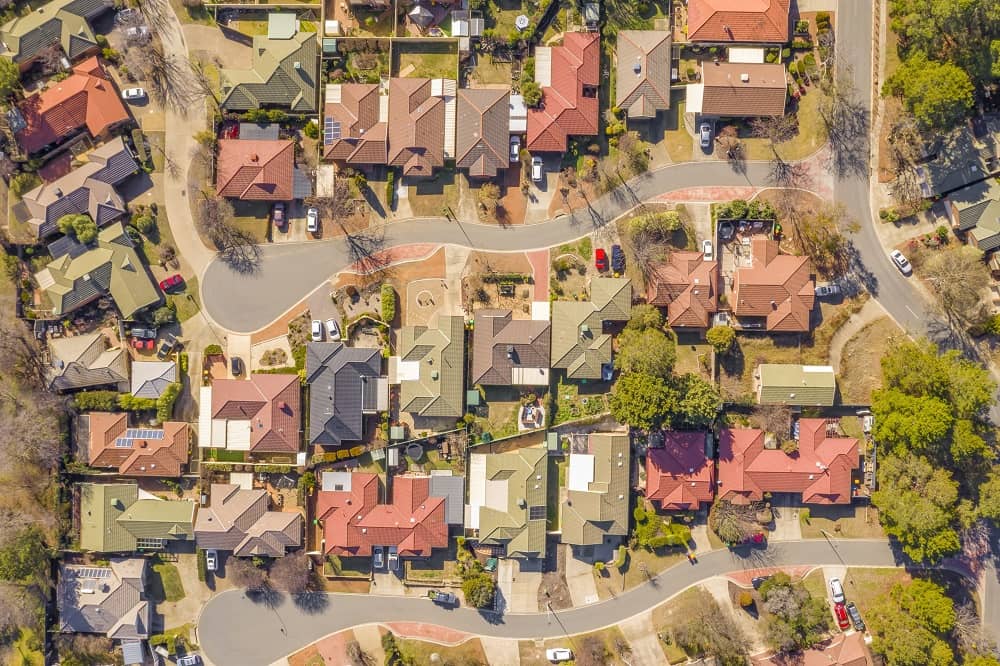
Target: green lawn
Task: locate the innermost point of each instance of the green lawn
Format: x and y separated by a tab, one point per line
491	72
187	302
613	581
420	652
810	137
251	28
842	522
431	60
576	400
440	567
165	583
175	637
199	15
357	567
253	217
429	197
678	140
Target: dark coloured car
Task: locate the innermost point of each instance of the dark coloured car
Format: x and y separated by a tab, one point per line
143	333
236	365
443	598
758	581
172	282
601	259
617	259
855	615
167	346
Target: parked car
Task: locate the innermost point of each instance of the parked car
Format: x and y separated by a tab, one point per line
855	615
837	591
130	94
278	214
556	655
515	149
442	598
143	333
312	220
841	613
167	346
377	558
824	290
143	344
393	558
236	366
171	282
536	169
708	250
758	581
317	330
332	330
601	259
617	259
705	134
211	560
901	262
189	660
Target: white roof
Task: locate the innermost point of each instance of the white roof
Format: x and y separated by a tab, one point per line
530	376
695	98
581	471
541	311
518	112
237	435
205	418
826	369
477	489
282	25
242	479
746	54
330	481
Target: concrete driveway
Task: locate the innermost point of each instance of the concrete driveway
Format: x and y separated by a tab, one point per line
641	636
580	579
518	582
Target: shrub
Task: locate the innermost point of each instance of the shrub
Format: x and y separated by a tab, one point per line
111	55
130	403
479	590
390	186
388	297
721	338
311	130
598	566
140	145
307	482
23	182
809	60
532	93
164	315
102	401
800	43
770	56
620	557
202	566
101	41
823	20
746	599
786	53
182	362
213	350
165	403
802	26
145	223
343	454
357	451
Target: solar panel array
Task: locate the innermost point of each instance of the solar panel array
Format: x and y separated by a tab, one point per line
132	434
536	512
93	572
331	130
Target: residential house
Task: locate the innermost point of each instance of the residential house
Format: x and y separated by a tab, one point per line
237	520
642	76
356	124
110	266
151	378
430	368
981	224
735	21
847	649
121	518
252	170
86	361
956	161
284	73
63	24
418	120
508	351
86	101
569	76
581	330
112	443
752	463
259	415
89	189
596	508
680	476
739	90
414	521
796	385
483	139
775	292
687	285
507	500
109	599
345	385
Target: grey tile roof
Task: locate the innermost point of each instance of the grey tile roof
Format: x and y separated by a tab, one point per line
600	508
151	378
452	488
238	521
107	600
642	79
84	361
274	79
439	349
334	374
501	343
483	124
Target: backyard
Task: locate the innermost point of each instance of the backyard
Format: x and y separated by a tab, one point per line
693	355
575	400
427	60
490	71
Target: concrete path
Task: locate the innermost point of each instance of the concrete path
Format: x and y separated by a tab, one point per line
871	311
641	635
370	640
501	651
580	579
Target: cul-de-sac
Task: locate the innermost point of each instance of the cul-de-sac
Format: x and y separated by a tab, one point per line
499	332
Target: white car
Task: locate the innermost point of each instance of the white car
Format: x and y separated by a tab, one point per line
211	560
827	290
332	329
707	250
837	591
515	149
133	93
312	220
317	330
901	262
556	655
189	660
536	169
393	558
377	559
705	133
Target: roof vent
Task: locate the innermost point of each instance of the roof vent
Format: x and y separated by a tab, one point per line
254	158
364	530
297	65
621	497
745	78
812	476
412	519
690	470
637	67
434	375
57	192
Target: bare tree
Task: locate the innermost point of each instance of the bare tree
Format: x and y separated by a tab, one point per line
50	60
16	609
168	77
204	85
958	277
291	573
237	247
729	147
822	236
776	419
244	574
339	205
775	129
971	635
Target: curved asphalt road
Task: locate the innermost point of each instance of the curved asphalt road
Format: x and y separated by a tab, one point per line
233	630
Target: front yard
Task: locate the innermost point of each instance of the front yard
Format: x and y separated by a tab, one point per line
254	218
842	522
440	568
165	582
641	565
607	646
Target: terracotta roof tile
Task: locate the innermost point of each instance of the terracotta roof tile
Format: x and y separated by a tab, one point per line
566	110
495	331
416	127
363	137
778	287
270	402
726	93
483	125
679	476
688	286
754	21
255	170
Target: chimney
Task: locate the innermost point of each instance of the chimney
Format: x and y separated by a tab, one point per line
745	78
254	158
57	192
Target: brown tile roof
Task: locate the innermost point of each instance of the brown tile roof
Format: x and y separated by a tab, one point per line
820	470
137	451
272	405
86	99
842	650
642	80
779	287
753	21
679	476
416	127
727	94
255	170
483	134
496	332
689	288
354	521
238	520
363	139
566	111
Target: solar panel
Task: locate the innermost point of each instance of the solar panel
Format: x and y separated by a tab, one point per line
331	130
536	512
93	572
142	433
123	443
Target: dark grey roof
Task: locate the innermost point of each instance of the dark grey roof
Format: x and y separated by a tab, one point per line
287	86
88	8
66	245
301	184
120	166
333	373
39	39
452	488
259	131
78	45
969	217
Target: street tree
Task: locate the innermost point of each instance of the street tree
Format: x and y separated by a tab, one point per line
642	401
989	497
291	573
823	236
845	117
479	590
797	619
911	622
938	94
907	423
959	278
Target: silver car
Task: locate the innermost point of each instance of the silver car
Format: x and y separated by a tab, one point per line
705	133
317	330
901	262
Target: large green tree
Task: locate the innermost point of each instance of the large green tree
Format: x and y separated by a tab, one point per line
642	401
10	78
644	347
24	556
910	423
79	226
910	625
699	401
989	497
938	94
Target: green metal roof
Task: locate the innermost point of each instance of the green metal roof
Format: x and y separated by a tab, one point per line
525	472
601	508
113	518
579	344
788	384
439	350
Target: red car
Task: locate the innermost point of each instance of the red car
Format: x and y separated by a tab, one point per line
171	282
841	612
601	259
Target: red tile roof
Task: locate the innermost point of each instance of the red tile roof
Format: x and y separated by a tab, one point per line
354	521
255	170
777	286
143	457
272	405
416	127
86	99
742	90
689	288
754	21
842	650
565	110
679	476
362	137
820	470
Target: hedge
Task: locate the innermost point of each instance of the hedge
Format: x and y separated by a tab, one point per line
388	303
103	401
357	450
165	403
140	146
390	189
202	565
130	403
182	361
490	278
343	454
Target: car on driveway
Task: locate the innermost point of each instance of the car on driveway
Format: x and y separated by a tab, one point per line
189	660
601	259
841	613
705	135
377	557
171	282
837	591
557	655
855	615
617	259
168	343
211	560
332	330
317	330
536	169
130	94
278	214
515	149
143	333
393	558
902	263
824	290
708	250
236	366
312	220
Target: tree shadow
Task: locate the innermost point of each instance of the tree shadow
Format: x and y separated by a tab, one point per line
266	596
311	602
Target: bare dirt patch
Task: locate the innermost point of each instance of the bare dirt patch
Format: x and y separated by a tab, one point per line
860	371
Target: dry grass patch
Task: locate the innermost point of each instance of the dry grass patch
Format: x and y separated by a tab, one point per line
606	648
844	522
860	372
